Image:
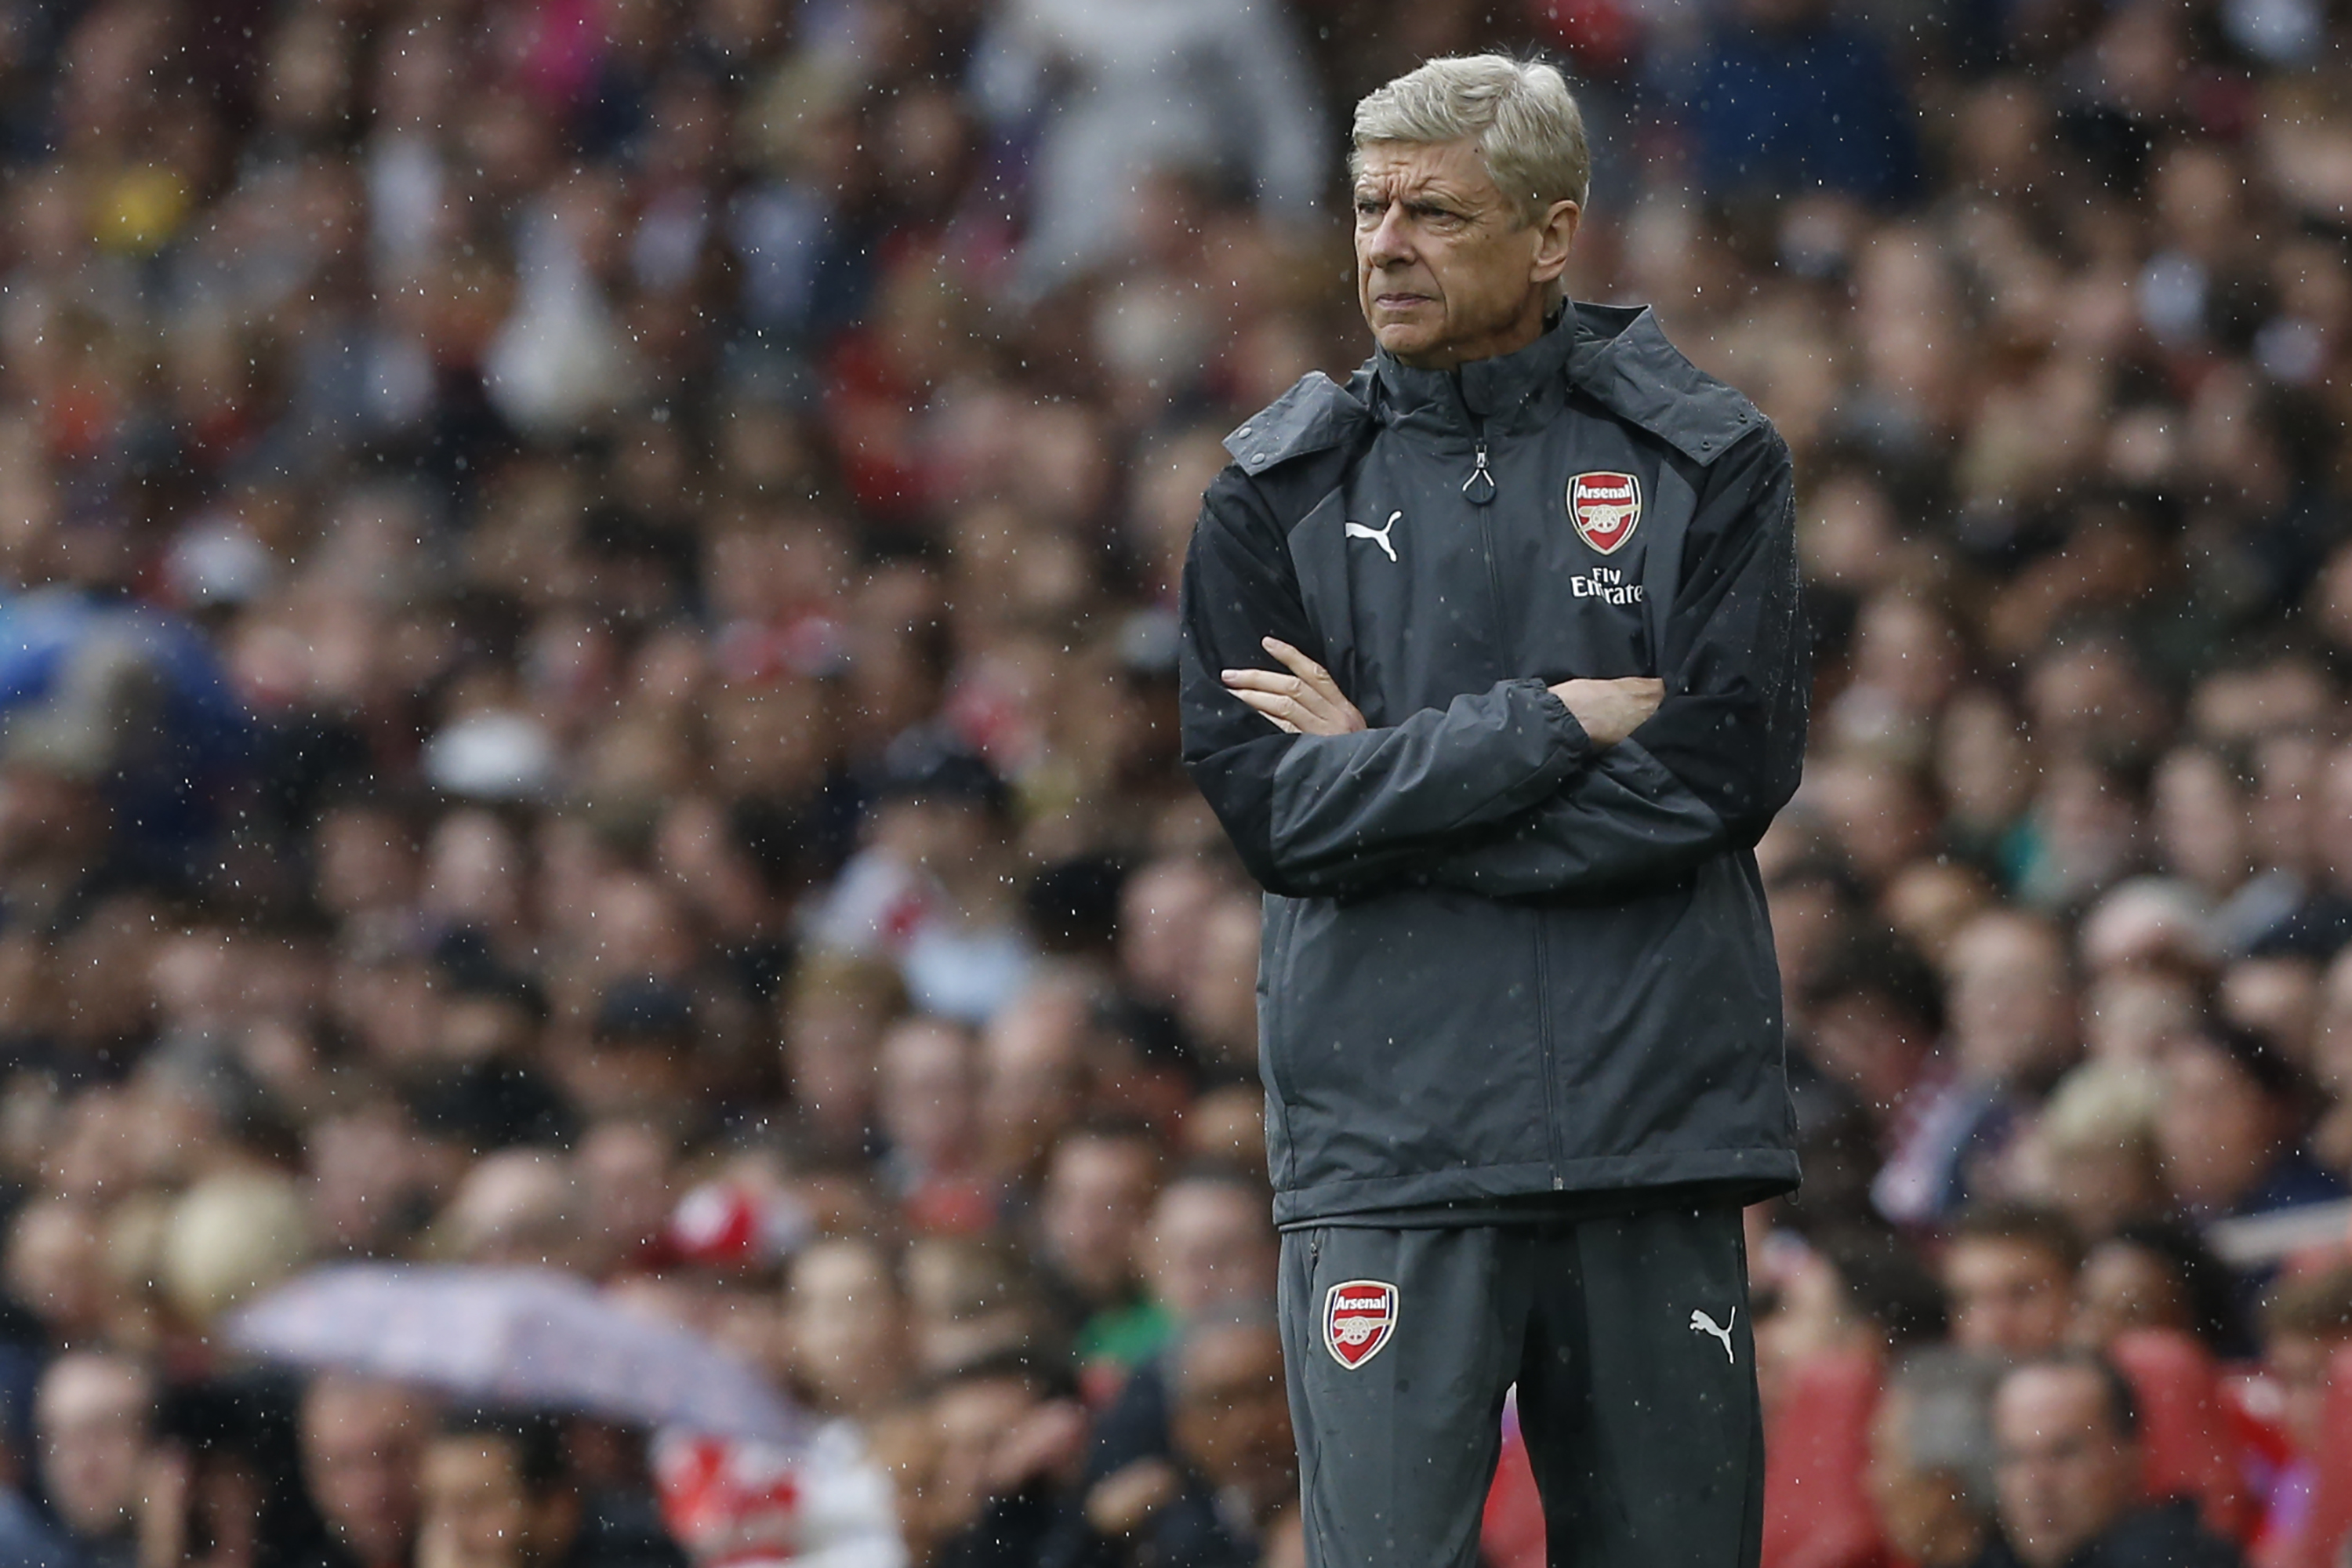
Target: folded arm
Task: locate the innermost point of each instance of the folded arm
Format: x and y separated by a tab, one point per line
1340	812
1503	794
1722	753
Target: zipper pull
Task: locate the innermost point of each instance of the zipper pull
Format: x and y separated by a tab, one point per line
1480	486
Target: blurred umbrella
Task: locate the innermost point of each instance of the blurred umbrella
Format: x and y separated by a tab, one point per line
527	1338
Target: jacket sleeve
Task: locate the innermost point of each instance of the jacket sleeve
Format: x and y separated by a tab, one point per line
1623	822
1339	814
1722	755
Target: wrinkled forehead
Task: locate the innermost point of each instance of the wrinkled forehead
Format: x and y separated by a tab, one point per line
1398	170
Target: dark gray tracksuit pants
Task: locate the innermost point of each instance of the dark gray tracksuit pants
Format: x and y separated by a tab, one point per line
1628	1338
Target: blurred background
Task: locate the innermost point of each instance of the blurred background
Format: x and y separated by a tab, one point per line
587	657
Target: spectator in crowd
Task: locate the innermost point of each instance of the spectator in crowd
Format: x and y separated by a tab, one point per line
95	1417
1000	1431
2305	1321
2011	1006
1099	1192
2096	1139
2228	1134
1931	1459
1228	1477
2010	1272
2157	1273
847	1324
2068	1458
1203	1253
924	1104
495	1492
361	1444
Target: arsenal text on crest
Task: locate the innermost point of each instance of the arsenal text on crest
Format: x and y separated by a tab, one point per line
1359	1316
1606	508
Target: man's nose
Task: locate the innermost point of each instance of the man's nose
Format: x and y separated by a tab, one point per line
1391	241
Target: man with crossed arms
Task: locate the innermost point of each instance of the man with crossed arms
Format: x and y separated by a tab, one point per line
1493	671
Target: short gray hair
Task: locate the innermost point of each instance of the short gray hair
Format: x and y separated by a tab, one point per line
1527	127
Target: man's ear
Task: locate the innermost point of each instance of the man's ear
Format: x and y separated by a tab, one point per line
1555	237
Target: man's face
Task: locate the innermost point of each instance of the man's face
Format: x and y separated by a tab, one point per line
92	1419
2065	1473
360	1443
1916	1506
2009	1296
1097	1194
1447	270
476	1513
847	1324
970	1424
2011	1007
2217	1132
1232	1419
2124	1286
1032	1076
1209	1241
926	1092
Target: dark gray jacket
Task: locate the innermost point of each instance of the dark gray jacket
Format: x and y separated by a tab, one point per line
1498	959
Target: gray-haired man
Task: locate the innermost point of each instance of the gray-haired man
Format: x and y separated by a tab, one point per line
1493	673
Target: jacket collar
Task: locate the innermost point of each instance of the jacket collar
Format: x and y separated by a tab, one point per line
1483	390
1615	354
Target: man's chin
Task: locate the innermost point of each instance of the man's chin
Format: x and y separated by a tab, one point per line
1408	340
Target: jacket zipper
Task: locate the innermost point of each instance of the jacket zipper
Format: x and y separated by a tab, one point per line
1543	1030
1479	489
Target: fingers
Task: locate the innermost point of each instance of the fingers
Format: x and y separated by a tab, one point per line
1318	691
1281	697
1279	707
1272	680
1296	701
1299	699
1306	669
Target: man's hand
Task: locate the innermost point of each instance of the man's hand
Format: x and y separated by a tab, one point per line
1612	710
1123	1501
1306	701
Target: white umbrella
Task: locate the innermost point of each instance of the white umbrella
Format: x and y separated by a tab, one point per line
527	1338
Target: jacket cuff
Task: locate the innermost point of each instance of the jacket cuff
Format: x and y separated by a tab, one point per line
1574	747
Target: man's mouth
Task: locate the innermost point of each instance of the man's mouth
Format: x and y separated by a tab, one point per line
1399	302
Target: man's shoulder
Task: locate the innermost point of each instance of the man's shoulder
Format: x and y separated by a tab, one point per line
2160	1535
1623	361
1291	454
1317	414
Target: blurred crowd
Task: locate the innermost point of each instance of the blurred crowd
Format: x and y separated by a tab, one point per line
587	647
